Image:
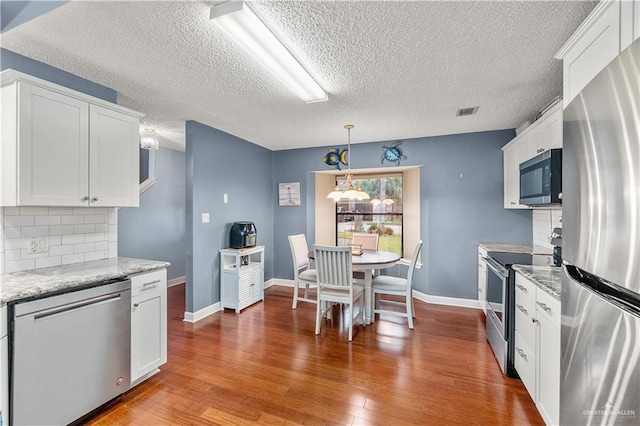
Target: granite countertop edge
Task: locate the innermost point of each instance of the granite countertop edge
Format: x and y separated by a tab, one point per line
514	247
35	283
545	277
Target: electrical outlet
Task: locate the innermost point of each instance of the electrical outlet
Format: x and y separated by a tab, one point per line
32	245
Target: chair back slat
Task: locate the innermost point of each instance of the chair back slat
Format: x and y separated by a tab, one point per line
334	266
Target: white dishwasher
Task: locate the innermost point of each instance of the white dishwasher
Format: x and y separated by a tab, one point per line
70	354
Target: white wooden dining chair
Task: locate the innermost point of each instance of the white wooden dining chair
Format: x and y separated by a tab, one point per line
368	241
335	284
396	286
302	271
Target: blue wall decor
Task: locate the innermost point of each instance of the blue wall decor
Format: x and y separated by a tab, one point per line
392	153
334	157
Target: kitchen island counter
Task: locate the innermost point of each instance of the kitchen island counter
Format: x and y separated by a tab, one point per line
514	248
35	283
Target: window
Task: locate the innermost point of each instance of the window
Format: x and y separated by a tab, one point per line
382	214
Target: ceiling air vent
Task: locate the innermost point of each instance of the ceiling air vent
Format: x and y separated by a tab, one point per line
466	111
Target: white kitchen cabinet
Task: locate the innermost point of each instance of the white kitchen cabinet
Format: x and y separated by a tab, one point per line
513	154
537	347
242	277
4	364
547	133
482	280
148	324
609	29
64	148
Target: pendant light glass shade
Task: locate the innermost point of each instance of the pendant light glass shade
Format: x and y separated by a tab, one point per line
149	140
348	191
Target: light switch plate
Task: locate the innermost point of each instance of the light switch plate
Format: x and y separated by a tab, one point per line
205	217
225	198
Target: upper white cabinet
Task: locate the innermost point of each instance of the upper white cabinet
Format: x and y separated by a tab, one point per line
544	134
63	148
609	29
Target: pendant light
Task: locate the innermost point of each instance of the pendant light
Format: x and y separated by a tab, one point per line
348	191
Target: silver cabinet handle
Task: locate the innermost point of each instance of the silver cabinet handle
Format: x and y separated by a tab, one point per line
534	320
544	306
94	199
480	290
521	353
85	198
522	309
135	305
151	283
540	150
513	203
523	288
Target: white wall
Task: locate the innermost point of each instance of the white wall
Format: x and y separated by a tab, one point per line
544	220
72	235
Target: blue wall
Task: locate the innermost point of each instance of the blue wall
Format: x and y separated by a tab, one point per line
156	229
14	13
11	60
461	203
217	164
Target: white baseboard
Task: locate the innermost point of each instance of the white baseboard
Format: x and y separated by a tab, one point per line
202	313
436	300
448	301
176	281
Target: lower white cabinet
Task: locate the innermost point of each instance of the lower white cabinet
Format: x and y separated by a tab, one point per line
148	324
482	280
242	277
537	357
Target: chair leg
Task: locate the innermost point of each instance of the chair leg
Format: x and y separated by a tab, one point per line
295	295
306	290
410	311
362	310
413	307
318	316
351	321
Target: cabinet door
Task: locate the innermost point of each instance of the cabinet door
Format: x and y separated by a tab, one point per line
114	158
512	156
148	323
548	359
535	142
53	148
598	46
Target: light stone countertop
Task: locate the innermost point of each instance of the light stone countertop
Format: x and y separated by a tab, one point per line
545	277
514	248
40	282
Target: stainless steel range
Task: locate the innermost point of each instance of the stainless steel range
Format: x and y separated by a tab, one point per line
501	304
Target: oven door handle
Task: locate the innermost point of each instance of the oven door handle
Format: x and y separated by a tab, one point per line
496	267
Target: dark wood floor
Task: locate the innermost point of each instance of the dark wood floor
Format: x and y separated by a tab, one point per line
267	366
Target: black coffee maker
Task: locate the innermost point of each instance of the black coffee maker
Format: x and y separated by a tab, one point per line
556	241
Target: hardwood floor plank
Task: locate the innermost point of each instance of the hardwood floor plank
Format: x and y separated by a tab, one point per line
266	366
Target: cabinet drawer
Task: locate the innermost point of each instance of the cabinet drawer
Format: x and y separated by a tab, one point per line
548	307
524	324
525	292
148	282
525	363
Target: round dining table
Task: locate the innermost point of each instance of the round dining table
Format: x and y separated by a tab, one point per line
367	262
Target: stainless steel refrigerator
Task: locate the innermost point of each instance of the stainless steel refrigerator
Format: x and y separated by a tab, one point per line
600	367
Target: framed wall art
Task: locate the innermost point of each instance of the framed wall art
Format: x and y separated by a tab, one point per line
289	194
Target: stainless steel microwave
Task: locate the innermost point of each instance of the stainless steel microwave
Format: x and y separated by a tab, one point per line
541	179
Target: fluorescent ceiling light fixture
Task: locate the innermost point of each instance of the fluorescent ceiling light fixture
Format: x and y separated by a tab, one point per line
240	23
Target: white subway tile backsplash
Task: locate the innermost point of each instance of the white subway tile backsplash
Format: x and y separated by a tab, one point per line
60	210
94	218
72	258
61	230
95	255
18	221
98	236
19	265
72	239
72	219
25	211
46	262
84	229
34	231
61	250
71	234
47	220
12	211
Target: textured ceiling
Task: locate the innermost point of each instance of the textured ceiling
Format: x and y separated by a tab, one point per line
395	69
